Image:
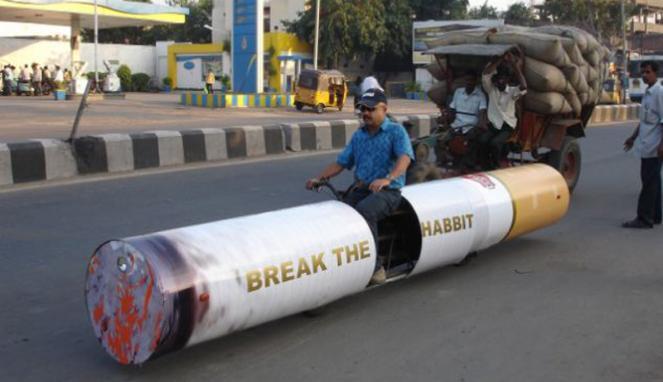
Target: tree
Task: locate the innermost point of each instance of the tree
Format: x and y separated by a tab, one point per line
483	12
348	29
599	17
519	14
439	9
396	53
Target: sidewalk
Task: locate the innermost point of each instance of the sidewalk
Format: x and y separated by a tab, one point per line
42	117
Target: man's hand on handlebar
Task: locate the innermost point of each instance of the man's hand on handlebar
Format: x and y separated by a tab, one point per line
316	183
313	183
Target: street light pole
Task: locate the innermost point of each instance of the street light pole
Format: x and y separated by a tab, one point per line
317	27
96	43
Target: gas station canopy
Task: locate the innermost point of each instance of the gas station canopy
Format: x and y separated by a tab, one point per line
111	13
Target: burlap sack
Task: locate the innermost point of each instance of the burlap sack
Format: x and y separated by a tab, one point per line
576	77
544	77
546	103
539	46
578	35
573	100
436	71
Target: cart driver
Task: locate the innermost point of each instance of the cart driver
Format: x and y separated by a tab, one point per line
380	153
466	111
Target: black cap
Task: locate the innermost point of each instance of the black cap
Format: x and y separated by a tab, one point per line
372	97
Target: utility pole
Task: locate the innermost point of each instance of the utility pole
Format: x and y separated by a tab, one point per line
317	27
96	43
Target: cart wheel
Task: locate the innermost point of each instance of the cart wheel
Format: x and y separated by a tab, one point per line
422	172
319	108
567	161
299	106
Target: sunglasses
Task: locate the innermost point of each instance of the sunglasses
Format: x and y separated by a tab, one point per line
363	108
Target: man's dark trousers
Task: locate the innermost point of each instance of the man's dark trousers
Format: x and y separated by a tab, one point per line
373	206
649	202
492	143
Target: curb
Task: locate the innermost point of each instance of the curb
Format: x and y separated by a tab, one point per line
236	100
50	159
614	113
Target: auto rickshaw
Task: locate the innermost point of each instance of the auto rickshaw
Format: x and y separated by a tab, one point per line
320	89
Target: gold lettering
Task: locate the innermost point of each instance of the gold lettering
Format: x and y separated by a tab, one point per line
364	251
303	268
425	229
438	228
352	253
286	271
253	281
317	262
469	219
457	223
271	275
338	252
447	225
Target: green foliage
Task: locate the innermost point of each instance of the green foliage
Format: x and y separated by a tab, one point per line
439	9
90	75
413	86
140	82
355	29
602	18
225	82
519	14
125	77
167	81
483	12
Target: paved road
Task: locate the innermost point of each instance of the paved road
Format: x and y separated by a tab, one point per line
41	117
579	301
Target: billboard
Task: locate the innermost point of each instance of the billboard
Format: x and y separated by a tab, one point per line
425	31
247	46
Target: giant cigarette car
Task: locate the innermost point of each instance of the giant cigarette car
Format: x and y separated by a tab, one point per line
158	293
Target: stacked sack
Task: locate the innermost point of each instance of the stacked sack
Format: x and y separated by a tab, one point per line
564	66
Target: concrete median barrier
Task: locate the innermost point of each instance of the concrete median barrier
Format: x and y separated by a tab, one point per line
50	159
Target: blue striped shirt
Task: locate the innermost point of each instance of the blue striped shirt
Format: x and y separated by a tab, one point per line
374	156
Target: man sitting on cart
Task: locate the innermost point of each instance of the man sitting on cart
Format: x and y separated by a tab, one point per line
501	106
466	111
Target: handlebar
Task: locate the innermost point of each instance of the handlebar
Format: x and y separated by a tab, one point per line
317	187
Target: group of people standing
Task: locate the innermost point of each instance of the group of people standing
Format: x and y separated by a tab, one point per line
38	79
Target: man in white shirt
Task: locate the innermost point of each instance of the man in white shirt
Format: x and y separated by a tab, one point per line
467	110
501	106
648	142
25	74
36	78
59	75
370	82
